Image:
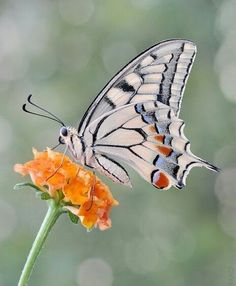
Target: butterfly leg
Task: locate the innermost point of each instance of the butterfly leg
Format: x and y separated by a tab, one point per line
91	193
59	167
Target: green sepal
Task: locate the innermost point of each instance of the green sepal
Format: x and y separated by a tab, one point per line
73	217
23	185
45	196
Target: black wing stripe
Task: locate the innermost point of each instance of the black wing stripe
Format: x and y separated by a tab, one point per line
107	170
110	102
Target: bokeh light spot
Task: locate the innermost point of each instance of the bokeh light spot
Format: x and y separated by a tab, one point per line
142	255
76	12
225	59
226	17
94	271
171	236
225	192
225	157
79	50
227	81
13	63
225	187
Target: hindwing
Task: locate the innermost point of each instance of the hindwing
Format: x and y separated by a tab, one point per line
148	137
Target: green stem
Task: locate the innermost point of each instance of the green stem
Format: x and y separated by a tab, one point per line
53	213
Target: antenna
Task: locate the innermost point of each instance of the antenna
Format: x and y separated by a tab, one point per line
52	117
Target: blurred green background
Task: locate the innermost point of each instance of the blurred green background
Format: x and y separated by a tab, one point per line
64	52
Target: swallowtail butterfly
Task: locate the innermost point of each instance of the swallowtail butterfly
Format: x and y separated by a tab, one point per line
135	120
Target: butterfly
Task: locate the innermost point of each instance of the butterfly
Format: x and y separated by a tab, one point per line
135	120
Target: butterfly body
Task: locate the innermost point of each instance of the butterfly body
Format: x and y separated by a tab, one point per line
135	120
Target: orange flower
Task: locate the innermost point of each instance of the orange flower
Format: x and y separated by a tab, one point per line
98	206
85	195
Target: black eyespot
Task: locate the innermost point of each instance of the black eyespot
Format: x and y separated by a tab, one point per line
61	140
64	131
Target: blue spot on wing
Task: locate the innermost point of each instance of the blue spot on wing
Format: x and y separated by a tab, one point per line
149	118
167	166
139	108
162	127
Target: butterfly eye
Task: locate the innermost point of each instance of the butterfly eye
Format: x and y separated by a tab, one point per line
64	131
61	140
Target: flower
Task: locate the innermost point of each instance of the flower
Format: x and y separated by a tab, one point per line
84	194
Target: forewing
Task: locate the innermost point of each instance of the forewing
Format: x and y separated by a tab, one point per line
148	137
160	74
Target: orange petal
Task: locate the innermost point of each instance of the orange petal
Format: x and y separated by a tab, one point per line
19	168
76	192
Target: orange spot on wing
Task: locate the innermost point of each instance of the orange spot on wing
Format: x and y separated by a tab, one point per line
159	138
162	180
152	128
165	150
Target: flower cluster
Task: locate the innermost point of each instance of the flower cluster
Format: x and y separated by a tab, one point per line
83	194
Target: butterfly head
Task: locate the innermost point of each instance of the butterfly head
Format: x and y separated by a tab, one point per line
69	136
64	135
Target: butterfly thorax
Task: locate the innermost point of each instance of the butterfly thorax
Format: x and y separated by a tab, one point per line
70	137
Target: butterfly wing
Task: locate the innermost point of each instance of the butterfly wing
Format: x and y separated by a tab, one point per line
135	119
147	136
160	74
